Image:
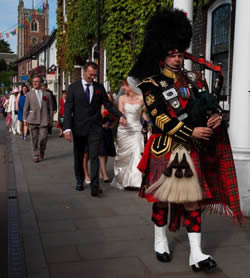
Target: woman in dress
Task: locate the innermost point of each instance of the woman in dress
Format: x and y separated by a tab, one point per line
19	108
130	141
61	113
13	112
107	147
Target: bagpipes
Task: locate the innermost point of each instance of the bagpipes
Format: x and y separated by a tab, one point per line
203	103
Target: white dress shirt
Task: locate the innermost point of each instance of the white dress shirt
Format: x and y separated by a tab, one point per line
39	97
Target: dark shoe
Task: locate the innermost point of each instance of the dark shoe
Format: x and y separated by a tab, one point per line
100	191
164	258
42	155
79	187
36	159
95	192
107	181
204	265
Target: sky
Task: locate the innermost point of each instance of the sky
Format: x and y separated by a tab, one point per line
8	17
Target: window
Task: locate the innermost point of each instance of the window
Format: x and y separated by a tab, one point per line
34	26
220	44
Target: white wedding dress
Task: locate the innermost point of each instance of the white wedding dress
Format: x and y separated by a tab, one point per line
130	146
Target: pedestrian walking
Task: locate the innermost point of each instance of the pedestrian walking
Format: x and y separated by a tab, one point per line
12	109
38	113
61	113
83	123
187	161
19	108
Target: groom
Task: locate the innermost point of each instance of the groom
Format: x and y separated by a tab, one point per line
83	123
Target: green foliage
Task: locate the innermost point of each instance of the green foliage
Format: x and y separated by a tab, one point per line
6	79
60	35
3	65
5	47
123	32
81	30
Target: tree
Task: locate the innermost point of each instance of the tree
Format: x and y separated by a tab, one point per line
3	65
5	47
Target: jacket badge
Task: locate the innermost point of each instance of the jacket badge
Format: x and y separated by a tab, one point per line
150	99
154	112
163	83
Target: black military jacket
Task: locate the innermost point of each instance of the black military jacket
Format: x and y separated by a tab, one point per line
163	123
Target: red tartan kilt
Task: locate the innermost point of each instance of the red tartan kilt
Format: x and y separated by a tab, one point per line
156	166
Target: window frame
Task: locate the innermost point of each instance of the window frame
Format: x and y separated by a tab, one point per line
209	74
37	25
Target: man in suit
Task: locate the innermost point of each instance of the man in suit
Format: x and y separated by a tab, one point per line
38	113
83	123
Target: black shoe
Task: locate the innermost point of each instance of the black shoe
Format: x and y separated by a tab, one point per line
95	192
205	265
79	187
107	181
164	258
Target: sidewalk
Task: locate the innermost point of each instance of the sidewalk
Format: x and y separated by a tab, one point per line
69	234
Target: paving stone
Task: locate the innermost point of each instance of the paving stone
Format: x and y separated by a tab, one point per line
57	226
62	254
41	274
46	214
71	238
115	249
230	257
34	256
133	210
110	222
109	268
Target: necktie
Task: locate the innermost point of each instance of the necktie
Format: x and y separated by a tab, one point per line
87	92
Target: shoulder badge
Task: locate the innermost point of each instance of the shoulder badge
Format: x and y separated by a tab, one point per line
163	83
150	99
154	112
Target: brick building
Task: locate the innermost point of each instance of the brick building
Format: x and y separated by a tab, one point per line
30	37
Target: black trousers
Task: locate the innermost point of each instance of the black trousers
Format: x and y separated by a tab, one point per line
93	141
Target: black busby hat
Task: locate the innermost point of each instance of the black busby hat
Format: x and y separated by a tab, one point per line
168	30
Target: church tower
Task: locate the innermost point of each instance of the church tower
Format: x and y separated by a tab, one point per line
34	32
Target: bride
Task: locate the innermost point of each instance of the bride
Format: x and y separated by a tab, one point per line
130	141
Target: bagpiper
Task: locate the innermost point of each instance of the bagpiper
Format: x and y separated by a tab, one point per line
187	162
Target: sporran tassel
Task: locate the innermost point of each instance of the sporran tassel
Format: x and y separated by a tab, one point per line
179	182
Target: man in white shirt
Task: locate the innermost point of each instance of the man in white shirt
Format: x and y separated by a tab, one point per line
38	113
83	123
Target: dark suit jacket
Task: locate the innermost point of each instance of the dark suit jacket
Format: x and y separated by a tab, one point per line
81	116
